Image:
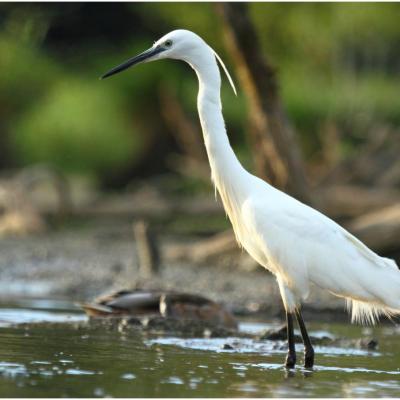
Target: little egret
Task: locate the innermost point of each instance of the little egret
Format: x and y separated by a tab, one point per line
298	244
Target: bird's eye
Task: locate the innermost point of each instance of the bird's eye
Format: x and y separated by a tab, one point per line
168	43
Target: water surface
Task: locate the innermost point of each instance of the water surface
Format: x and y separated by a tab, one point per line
57	360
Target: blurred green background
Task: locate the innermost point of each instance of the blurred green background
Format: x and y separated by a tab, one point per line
338	66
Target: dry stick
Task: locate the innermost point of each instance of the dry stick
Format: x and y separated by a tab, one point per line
276	153
147	250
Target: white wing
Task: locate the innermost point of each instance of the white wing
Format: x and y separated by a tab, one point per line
307	224
304	245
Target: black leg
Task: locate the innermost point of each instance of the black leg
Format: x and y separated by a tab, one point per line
308	348
291	355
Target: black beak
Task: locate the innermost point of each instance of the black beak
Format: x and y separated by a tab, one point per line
134	60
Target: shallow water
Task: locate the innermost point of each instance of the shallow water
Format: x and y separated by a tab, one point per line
54	360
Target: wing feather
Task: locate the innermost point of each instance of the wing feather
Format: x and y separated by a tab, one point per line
308	224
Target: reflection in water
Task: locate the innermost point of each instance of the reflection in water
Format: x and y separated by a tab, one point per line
54	360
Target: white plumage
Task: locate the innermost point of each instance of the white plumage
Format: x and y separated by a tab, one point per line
295	242
298	244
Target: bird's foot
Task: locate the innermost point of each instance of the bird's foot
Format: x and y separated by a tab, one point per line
308	357
290	361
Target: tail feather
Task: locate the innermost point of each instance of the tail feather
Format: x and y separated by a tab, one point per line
378	294
368	313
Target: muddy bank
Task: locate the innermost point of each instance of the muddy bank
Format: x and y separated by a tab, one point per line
79	264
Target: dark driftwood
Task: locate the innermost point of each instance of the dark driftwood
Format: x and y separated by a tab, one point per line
276	153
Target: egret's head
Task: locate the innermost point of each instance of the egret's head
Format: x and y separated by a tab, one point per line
179	44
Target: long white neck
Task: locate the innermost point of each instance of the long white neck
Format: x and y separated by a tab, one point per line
227	173
225	167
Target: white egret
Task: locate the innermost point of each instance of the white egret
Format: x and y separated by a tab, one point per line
298	244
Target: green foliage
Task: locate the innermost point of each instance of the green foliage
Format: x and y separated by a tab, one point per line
26	73
78	126
336	63
354	104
